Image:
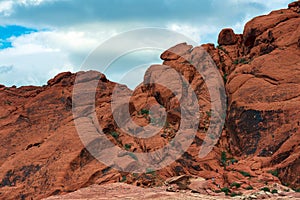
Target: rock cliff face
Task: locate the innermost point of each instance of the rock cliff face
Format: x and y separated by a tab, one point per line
42	154
263	94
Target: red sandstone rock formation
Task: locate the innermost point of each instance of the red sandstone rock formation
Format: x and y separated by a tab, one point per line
42	154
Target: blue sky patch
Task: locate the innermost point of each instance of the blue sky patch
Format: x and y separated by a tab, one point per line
7	32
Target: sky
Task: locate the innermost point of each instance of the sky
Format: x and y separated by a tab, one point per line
41	38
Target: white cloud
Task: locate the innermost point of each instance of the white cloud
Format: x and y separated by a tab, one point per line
238	27
6	7
197	33
270	5
56	41
37	57
32	68
30	2
191	31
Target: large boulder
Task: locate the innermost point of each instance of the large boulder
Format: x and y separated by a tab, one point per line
227	37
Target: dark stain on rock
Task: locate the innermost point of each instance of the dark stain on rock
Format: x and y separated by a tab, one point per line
13	176
249	121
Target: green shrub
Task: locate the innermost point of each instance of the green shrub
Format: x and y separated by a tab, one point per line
297	190
235	184
123	179
145	112
208	113
114	134
274	191
127	146
266	189
223	158
274	173
242	60
246	174
233	194
150	171
225	78
221	48
233	160
225	190
285	184
249	187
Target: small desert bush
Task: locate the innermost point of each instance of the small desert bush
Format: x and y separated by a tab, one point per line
266	189
127	146
233	194
274	173
235	184
246	174
115	134
274	191
145	112
249	187
225	190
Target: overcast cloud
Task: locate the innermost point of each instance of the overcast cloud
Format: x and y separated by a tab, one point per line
57	35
